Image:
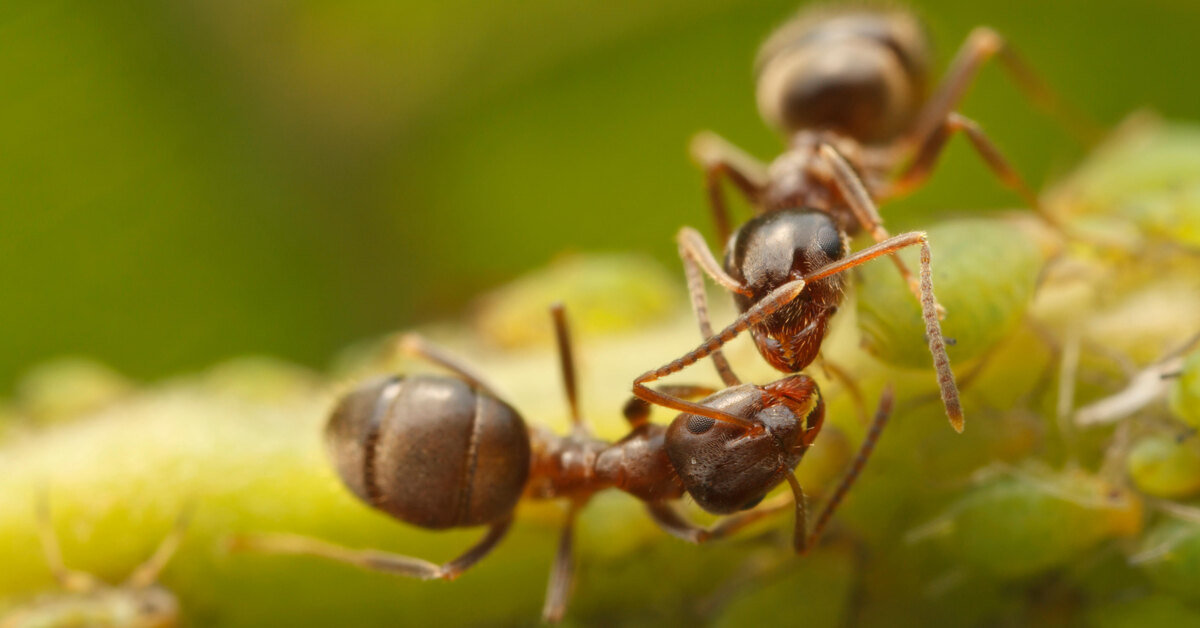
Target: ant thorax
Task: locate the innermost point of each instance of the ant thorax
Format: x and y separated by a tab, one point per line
801	177
562	466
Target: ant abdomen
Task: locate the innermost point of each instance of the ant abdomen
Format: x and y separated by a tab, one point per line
433	451
858	72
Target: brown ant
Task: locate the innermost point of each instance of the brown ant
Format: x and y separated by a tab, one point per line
445	452
847	86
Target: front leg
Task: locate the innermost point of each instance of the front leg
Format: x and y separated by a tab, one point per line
696	257
678	525
721	159
373	560
773	302
855	192
780	297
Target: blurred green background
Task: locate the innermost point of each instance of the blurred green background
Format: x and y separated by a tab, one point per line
191	180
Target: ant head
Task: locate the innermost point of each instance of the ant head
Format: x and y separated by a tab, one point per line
727	468
862	73
773	249
776	247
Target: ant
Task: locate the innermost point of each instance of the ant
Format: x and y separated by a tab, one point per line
139	602
445	452
847	86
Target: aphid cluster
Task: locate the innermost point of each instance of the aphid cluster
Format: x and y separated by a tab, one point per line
1060	489
84	600
850	91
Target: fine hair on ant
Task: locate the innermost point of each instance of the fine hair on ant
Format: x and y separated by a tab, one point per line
475	458
847	86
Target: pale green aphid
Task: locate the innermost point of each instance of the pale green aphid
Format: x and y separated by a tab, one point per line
1170	556
1143	183
985	272
87	602
1020	521
1165	465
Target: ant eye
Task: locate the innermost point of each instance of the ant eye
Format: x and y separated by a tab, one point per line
752	503
699	424
830	242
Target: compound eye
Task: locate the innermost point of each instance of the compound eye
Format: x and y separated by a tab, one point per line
752	503
699	424
830	242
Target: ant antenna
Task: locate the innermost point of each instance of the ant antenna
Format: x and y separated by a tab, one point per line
566	357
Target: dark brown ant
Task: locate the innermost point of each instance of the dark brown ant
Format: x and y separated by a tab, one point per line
847	86
446	452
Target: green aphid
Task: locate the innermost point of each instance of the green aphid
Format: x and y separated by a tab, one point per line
985	271
606	293
1018	522
66	388
1145	180
1164	465
1184	393
87	602
1170	556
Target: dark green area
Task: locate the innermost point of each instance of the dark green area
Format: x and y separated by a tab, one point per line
191	180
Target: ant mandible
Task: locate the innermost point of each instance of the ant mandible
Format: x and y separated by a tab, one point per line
475	459
847	86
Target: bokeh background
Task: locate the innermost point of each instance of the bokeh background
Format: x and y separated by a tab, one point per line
186	181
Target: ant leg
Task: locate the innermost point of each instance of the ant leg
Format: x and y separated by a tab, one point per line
637	411
415	345
864	451
982	44
668	517
68	579
566	357
770	304
799	532
693	249
372	559
783	295
697	256
855	193
929	309
147	573
925	160
719	158
562	574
